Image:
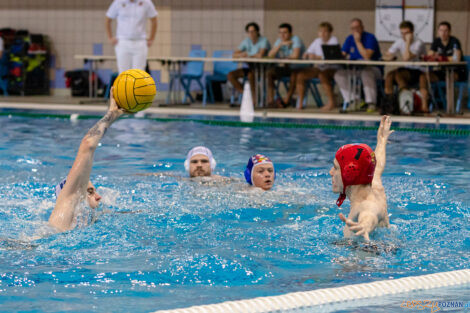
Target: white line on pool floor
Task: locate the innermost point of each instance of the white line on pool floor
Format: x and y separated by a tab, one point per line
260	113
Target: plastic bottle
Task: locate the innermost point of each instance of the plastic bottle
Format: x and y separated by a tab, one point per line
454	54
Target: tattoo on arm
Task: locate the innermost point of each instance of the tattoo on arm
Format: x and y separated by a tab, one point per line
101	127
95	131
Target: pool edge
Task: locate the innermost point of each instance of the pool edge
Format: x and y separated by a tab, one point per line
258	113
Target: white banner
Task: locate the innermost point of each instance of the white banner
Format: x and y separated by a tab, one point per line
390	13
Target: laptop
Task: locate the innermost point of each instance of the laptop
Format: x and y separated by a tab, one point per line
332	52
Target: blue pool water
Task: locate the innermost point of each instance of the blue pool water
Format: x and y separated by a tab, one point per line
184	243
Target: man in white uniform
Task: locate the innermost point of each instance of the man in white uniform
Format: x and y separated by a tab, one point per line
131	42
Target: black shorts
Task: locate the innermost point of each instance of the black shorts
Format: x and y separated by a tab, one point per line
282	71
286	69
414	74
461	74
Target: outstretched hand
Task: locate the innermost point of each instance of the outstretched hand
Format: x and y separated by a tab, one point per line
359	229
384	129
113	107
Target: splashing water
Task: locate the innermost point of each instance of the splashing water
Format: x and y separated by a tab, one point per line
161	242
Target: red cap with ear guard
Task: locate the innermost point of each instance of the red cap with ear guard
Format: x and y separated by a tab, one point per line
357	164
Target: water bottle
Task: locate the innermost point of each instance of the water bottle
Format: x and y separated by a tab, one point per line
454	54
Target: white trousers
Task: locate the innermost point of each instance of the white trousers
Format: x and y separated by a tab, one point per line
369	76
131	54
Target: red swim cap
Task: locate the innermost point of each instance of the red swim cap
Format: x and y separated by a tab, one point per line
357	164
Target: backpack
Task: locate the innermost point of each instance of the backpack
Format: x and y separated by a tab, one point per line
77	80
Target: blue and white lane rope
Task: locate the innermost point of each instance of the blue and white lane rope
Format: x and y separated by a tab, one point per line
293	302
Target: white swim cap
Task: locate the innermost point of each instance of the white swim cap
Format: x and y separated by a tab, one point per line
200	150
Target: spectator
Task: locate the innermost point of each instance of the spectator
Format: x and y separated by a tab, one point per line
324	72
286	46
448	46
360	45
131	43
253	46
410	48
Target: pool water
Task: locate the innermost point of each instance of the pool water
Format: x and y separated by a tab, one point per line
168	242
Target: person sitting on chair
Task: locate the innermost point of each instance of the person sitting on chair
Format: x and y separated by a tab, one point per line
324	72
289	47
411	49
253	46
360	45
445	46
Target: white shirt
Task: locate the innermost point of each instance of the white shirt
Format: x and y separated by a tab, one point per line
316	49
417	48
315	46
131	17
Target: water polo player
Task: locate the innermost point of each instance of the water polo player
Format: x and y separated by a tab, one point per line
200	162
77	187
260	172
357	175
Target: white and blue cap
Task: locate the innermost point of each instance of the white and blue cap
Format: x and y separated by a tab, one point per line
200	150
59	187
254	161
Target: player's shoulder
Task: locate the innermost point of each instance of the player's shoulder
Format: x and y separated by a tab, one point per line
369	202
377	186
373	204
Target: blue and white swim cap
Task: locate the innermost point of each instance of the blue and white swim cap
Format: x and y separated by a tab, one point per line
254	161
59	187
200	150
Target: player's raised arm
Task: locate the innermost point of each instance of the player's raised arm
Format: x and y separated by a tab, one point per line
380	150
77	186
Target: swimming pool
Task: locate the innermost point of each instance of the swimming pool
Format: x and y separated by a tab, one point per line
181	243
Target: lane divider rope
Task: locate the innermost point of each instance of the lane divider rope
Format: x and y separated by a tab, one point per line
292	302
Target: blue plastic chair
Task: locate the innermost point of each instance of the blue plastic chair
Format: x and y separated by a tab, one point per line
440	87
4	73
282	81
221	70
193	71
239	98
312	87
